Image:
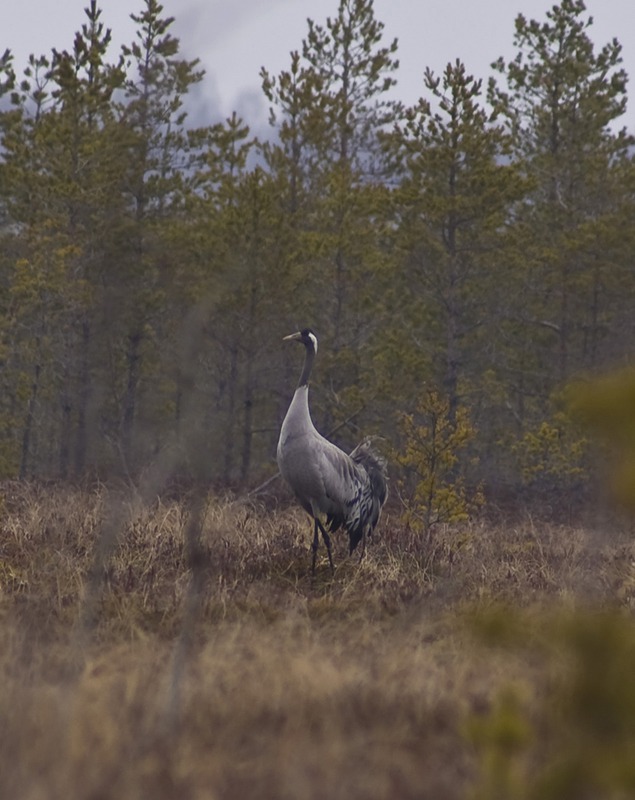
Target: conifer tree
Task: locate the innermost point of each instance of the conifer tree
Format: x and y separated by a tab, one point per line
329	108
84	119
452	206
561	99
355	71
153	117
60	166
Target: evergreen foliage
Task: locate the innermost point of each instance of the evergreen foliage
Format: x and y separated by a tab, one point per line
434	489
477	244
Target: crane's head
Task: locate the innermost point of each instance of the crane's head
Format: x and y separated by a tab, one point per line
306	336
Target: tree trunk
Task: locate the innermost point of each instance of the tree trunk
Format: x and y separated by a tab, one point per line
65	436
231	411
247	432
28	423
81	441
133	358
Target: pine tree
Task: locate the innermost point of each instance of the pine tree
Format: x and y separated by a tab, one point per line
61	163
84	85
329	108
355	71
452	207
153	117
561	102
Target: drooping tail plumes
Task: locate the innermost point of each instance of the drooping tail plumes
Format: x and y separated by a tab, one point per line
373	499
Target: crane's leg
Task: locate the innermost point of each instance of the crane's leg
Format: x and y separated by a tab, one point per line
327	542
316	541
363	553
354	539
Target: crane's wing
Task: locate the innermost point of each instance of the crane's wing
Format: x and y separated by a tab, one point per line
342	481
376	468
356	487
375	492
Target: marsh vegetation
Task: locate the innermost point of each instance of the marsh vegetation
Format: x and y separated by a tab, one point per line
228	672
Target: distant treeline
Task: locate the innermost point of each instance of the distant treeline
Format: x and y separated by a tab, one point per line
476	248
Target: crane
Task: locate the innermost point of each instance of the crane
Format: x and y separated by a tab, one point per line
348	490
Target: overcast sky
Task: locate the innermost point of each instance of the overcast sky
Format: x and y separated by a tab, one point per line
234	38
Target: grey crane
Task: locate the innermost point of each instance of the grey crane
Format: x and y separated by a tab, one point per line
349	490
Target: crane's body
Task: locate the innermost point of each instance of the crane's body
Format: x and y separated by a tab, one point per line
349	490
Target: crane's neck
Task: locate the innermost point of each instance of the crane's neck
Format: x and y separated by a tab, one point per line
308	365
298	419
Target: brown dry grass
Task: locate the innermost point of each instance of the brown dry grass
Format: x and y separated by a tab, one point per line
258	681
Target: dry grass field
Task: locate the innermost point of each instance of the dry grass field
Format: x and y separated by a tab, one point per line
499	663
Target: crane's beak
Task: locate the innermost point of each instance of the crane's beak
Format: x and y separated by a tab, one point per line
293	337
